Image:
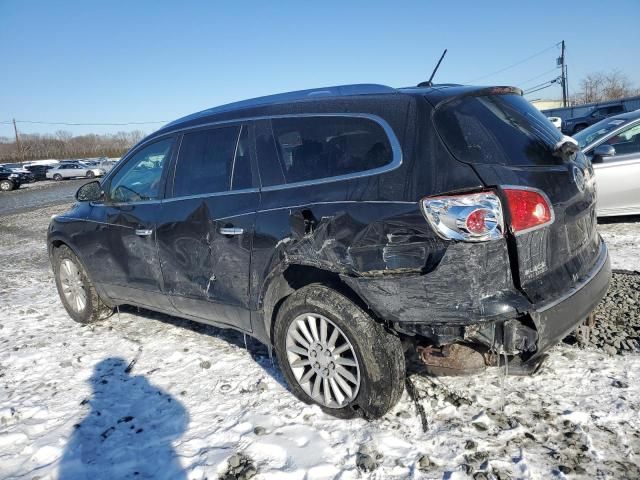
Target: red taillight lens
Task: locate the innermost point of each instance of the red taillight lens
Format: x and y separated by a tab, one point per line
528	208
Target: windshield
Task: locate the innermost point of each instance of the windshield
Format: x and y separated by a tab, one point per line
597	131
497	129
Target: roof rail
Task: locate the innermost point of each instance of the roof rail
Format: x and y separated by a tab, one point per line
335	91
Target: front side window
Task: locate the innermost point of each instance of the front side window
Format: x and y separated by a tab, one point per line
597	131
627	141
139	179
312	148
205	161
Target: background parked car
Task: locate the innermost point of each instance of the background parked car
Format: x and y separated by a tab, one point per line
557	122
574	125
74	170
39	171
9	180
27	176
613	145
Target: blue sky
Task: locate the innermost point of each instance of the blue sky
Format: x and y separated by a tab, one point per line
126	61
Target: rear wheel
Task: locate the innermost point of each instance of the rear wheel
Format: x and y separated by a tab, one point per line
76	290
6	185
333	354
57	177
90	174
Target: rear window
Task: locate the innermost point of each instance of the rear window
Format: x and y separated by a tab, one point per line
312	148
497	129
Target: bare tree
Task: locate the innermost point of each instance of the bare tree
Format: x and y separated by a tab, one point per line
600	87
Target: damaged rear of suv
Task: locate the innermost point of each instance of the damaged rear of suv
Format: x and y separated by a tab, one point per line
343	226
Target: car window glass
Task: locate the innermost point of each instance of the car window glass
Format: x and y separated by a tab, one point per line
241	176
205	161
500	129
312	148
627	141
266	151
139	179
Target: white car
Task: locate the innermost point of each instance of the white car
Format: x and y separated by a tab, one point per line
73	170
557	122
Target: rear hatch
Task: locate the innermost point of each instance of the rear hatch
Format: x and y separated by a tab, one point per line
509	142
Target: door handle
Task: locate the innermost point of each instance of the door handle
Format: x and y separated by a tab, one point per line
231	231
143	232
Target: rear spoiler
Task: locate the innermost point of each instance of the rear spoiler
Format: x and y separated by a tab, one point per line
480	92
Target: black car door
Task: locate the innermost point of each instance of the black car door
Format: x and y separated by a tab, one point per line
126	254
206	232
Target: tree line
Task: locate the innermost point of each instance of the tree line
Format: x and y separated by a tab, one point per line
604	86
63	144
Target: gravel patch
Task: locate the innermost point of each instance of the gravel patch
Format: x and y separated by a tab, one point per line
617	318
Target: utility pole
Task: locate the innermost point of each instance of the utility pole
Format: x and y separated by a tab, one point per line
565	90
18	144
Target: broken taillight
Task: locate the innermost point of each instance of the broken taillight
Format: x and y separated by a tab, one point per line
528	208
473	217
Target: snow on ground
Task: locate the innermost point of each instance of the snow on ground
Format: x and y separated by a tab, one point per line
142	395
623	238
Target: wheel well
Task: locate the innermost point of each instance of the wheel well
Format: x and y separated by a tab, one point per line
296	277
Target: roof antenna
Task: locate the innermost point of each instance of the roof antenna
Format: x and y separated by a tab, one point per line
429	83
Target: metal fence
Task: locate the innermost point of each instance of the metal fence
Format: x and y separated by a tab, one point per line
630	104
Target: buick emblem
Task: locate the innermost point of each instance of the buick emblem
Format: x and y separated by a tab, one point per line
578	177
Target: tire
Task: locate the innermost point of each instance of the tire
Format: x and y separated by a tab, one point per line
57	177
93	308
379	355
6	185
90	174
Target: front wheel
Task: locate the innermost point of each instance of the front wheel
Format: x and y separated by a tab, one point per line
57	177
6	185
78	295
335	355
90	174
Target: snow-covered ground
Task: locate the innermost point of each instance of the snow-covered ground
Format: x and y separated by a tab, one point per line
142	395
623	238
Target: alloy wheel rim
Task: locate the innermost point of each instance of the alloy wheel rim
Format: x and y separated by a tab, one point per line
72	286
323	360
4	186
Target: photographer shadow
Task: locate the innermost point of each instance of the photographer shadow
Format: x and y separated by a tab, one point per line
129	430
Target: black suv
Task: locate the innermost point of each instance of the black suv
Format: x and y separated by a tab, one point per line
10	180
347	225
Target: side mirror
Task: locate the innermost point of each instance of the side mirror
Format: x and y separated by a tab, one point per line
90	192
603	151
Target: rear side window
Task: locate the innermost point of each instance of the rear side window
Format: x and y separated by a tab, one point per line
497	129
312	148
205	161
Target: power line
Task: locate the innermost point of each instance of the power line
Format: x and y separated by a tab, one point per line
542	86
515	64
520	84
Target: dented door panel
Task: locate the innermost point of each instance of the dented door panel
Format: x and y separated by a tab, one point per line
129	264
206	272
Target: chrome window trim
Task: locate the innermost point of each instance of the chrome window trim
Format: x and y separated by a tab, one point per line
396	149
207	195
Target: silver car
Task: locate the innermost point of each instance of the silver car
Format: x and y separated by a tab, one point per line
613	145
73	170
